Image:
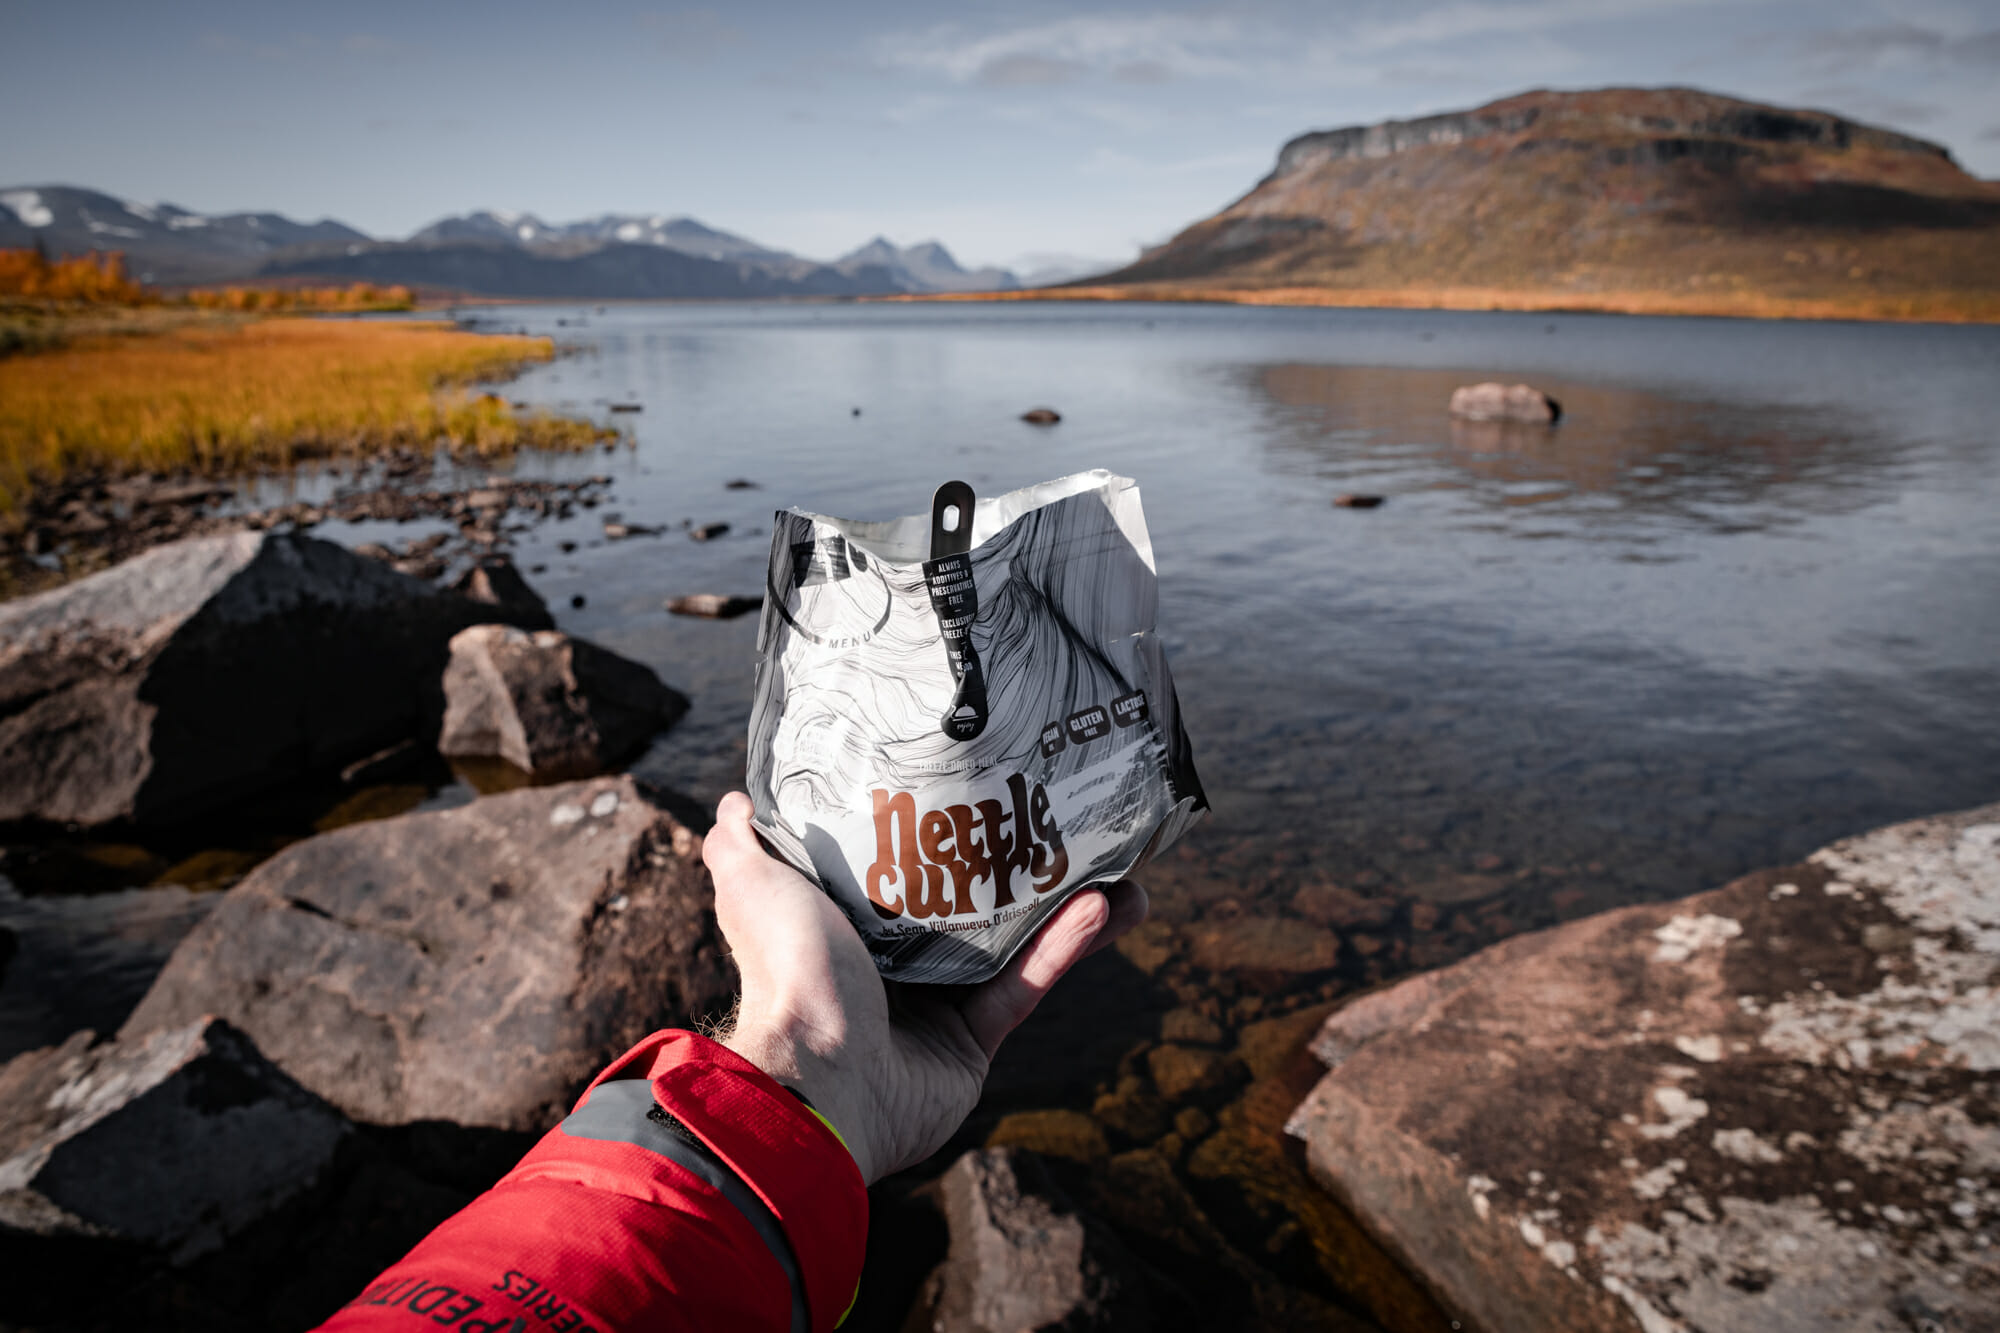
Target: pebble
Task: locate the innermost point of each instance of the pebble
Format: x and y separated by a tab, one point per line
713	605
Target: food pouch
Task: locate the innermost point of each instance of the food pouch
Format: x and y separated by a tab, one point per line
953	741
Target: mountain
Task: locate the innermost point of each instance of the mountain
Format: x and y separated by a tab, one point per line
161	242
494	253
1625	198
525	229
598	273
487	253
925	267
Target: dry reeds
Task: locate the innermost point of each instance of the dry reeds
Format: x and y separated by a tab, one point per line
231	394
357	297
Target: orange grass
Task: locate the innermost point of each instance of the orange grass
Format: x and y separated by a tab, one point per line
1945	307
358	296
231	395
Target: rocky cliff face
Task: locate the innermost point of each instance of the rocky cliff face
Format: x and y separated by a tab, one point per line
1680	114
1636	191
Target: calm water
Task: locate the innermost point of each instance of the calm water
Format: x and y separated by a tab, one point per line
1745	598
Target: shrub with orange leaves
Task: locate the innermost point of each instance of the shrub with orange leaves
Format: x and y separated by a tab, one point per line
93	279
357	297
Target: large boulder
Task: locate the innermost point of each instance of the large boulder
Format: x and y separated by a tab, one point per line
1022	1257
1767	1107
176	1140
476	965
212	669
549	704
1492	401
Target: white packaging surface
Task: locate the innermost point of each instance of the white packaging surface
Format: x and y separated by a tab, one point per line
952	747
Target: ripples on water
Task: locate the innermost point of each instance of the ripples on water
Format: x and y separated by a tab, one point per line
1745	598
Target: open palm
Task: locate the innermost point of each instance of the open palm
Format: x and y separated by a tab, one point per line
895	1068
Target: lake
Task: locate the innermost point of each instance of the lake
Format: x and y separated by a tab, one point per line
1743	599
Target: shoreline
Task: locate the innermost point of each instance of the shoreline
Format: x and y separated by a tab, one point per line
1928	308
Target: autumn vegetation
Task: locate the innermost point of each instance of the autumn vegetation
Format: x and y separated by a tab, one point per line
113	378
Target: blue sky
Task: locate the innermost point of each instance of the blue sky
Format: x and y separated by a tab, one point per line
1007	131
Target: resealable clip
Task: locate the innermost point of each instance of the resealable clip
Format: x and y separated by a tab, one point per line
955	599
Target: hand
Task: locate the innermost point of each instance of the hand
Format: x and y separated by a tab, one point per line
895	1073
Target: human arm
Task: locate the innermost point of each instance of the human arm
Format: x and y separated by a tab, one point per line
738	1205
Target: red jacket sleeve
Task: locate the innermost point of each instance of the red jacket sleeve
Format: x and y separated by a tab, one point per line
687	1190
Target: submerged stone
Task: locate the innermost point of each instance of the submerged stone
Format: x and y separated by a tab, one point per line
1023	1257
1052	1133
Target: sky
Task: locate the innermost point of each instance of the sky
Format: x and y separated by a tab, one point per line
1011	132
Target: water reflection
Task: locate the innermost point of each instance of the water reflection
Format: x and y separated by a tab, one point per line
1618	455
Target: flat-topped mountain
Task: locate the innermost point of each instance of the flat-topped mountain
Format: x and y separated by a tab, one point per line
1629	198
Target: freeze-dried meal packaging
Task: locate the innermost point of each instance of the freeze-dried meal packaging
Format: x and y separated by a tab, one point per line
953	744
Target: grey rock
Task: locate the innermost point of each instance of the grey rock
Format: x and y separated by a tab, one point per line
1765	1107
495	582
212	669
549	704
1504	402
1023	1258
177	1140
476	965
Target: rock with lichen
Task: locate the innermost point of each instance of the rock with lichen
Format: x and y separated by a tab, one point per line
476	965
1769	1106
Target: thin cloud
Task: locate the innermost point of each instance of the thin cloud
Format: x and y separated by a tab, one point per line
1899	43
1155	47
1028	71
1455	22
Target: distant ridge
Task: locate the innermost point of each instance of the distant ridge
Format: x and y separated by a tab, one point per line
488	253
1620	198
602	273
164	242
925	267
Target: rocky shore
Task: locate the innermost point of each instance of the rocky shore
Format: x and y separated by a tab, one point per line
1767	1103
85	522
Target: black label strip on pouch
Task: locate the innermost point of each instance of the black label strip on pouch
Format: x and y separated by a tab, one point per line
955	600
